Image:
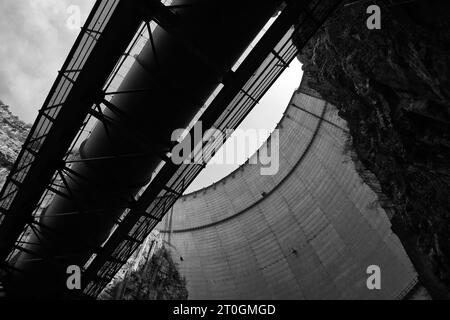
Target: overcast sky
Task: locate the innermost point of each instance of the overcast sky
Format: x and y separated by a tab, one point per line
35	38
34	41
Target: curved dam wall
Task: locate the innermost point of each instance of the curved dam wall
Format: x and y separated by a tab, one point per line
100	190
308	232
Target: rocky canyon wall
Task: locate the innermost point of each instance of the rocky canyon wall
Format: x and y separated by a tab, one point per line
392	87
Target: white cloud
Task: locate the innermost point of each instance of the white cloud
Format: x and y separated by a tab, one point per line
35	41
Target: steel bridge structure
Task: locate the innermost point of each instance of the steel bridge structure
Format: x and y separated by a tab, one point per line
83	96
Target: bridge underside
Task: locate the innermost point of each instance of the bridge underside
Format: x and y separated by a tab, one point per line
84	96
310	231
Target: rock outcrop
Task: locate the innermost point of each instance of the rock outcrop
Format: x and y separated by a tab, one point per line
392	86
13	133
157	279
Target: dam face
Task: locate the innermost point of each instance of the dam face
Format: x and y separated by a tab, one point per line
309	232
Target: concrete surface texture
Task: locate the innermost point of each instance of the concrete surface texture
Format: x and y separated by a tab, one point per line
308	232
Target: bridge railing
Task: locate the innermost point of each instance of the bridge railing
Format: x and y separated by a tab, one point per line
237	100
55	101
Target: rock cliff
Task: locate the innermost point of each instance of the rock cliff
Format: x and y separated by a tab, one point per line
392	87
13	133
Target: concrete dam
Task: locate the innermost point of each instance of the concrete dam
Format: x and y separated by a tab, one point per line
308	232
98	173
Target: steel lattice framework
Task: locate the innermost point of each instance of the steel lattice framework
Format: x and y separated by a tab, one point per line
106	43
